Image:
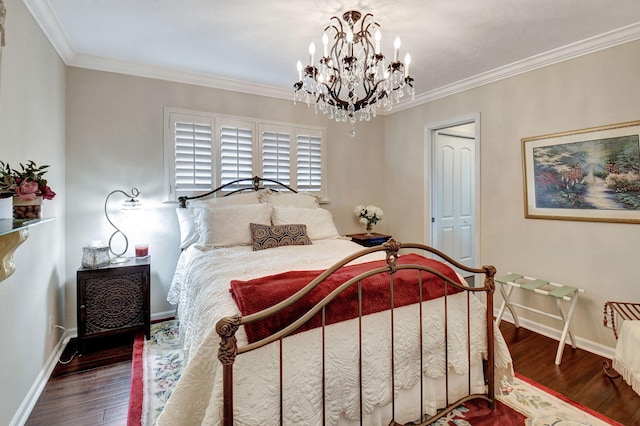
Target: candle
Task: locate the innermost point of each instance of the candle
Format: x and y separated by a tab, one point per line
407	62
325	42
142	250
299	66
378	37
396	44
312	51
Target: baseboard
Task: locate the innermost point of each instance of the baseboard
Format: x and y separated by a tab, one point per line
552	333
22	415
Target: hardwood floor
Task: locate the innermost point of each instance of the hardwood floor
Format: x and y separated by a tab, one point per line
94	389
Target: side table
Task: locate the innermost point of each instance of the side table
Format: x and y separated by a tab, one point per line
365	240
113	299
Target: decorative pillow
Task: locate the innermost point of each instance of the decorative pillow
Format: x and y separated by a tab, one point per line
242	198
188	233
265	236
319	221
300	199
229	225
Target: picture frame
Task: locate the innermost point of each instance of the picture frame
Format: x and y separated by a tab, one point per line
584	175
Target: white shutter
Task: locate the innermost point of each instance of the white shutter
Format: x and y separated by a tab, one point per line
193	156
309	161
276	154
236	152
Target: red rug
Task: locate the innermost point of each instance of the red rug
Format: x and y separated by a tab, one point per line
520	402
134	416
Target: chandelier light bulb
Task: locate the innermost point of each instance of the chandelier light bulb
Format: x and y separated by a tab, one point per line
312	52
378	37
325	43
299	66
396	45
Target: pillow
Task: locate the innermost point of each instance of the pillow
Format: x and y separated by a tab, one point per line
265	236
188	233
319	221
229	225
242	198
300	199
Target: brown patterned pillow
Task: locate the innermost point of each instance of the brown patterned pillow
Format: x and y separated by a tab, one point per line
265	236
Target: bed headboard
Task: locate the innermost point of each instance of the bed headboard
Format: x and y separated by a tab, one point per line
256	184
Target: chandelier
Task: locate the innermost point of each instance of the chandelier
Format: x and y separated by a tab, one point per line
353	78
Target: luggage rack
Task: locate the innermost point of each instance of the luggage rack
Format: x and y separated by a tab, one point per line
547	288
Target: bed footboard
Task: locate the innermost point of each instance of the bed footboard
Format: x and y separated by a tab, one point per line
430	318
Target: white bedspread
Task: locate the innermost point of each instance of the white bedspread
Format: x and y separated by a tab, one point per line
627	360
197	399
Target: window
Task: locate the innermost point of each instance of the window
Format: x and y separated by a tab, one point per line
204	151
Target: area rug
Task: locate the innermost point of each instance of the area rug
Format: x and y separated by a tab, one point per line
157	365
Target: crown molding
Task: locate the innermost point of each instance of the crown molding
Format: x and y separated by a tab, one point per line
179	76
44	15
584	47
46	18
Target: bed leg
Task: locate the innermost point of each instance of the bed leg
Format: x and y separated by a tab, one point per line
227	378
609	371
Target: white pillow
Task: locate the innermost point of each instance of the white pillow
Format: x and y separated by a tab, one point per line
242	198
300	199
188	233
229	225
319	221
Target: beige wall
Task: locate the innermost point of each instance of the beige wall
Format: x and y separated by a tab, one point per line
31	128
115	141
593	90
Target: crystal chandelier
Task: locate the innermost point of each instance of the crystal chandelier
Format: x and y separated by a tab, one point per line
353	78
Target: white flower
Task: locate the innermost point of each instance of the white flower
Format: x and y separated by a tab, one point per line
368	215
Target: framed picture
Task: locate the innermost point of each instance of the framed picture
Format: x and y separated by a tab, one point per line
589	175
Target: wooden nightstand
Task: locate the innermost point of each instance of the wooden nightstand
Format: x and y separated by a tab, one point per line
369	241
113	299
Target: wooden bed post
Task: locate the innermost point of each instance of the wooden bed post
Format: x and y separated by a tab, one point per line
226	329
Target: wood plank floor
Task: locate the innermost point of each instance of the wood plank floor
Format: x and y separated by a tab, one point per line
94	389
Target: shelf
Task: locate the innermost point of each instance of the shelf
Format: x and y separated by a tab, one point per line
13	232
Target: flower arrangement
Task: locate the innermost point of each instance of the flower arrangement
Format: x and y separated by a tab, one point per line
369	215
26	183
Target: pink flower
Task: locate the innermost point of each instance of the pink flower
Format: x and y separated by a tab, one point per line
28	190
47	193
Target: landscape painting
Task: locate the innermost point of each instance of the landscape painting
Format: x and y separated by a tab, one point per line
591	174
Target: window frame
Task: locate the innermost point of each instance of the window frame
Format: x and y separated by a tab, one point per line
217	121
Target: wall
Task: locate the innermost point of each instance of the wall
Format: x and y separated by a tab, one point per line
31	128
115	141
593	90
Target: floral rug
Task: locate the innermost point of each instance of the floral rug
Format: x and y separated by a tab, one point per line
522	402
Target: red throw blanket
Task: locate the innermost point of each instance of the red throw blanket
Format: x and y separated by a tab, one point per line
261	293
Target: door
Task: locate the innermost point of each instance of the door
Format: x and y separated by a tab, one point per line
454	192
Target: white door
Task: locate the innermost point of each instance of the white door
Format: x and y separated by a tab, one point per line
454	193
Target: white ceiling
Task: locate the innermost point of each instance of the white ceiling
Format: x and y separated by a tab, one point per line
253	45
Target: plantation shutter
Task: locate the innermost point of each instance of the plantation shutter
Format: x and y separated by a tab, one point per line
276	154
193	156
236	152
309	161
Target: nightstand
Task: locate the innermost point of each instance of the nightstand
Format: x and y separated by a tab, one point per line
374	239
113	299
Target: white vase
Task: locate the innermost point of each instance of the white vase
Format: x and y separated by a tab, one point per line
6	208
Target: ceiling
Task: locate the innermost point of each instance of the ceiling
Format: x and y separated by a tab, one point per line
253	45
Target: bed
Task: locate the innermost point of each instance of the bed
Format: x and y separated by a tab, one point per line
283	321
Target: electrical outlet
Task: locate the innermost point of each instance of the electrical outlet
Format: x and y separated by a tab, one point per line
50	324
